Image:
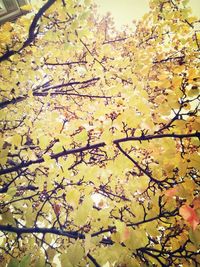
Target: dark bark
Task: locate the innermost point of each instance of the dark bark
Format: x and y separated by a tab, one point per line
158	136
20	231
32	31
44	92
98	145
53	156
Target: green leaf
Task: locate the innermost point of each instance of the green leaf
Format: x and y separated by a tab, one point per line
40	261
13	263
12	191
75	253
25	261
195	237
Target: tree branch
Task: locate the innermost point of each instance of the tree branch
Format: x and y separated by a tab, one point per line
46	89
159	136
93	260
66	63
102	144
137	165
53	156
32	29
19	231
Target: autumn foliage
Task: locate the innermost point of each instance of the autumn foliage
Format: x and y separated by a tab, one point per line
99	138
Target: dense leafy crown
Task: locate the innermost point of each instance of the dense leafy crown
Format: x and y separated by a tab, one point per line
99	138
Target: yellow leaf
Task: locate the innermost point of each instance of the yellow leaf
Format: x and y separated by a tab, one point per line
81	137
75	253
138	238
195	237
10	193
107	264
72	197
26	7
83	212
65	260
16	140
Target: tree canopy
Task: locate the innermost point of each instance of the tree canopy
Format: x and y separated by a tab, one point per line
99	137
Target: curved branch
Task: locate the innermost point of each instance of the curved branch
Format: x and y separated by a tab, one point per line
44	92
32	33
19	231
158	136
137	165
66	63
98	145
53	156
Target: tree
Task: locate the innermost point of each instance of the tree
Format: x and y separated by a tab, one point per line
99	147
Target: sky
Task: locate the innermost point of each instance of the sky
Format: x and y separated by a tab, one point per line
125	11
